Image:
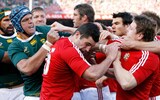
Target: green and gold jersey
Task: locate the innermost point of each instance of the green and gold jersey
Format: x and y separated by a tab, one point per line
9	75
23	49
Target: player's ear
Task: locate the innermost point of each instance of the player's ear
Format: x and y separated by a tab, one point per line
85	18
77	34
140	36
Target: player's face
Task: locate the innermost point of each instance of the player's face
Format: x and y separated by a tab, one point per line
27	24
77	20
39	18
118	27
7	26
85	44
131	31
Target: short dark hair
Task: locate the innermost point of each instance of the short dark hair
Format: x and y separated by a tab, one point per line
89	29
126	17
85	9
37	9
146	26
153	16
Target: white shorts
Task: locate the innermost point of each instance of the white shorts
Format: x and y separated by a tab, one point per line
155	98
113	94
92	94
76	96
31	98
12	94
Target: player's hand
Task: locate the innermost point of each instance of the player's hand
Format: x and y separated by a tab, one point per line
58	27
52	36
112	50
99	82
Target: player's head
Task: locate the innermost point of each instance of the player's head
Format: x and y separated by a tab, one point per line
155	17
6	27
86	36
120	22
17	15
142	29
39	16
83	13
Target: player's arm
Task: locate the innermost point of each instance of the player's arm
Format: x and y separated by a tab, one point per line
128	43
125	78
31	65
59	27
4	56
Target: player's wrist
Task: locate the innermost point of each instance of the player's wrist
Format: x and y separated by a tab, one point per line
101	47
47	45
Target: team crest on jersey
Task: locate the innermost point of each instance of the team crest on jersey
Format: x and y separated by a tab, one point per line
126	56
33	42
43	40
9	41
26	50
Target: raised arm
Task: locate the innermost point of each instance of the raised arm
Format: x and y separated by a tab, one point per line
128	43
32	64
59	27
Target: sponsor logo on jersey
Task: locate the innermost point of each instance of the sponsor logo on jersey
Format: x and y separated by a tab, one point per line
9	41
33	42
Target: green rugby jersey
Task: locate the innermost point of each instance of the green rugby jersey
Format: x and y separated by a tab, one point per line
9	75
23	49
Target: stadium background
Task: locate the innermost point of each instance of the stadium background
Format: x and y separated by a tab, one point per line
62	10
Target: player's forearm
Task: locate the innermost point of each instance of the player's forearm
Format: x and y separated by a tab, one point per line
153	46
96	71
124	77
70	30
6	58
31	65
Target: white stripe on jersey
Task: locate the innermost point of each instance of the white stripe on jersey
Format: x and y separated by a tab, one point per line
79	52
141	62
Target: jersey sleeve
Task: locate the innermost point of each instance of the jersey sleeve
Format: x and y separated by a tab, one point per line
16	53
147	66
64	34
75	59
1	54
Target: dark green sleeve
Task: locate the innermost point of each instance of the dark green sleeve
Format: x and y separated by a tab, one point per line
65	34
43	29
46	29
1	54
16	53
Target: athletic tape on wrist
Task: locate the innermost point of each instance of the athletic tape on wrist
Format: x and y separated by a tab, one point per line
46	47
48	43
